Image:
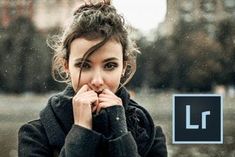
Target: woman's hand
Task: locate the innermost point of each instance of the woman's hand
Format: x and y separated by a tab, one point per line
82	106
107	99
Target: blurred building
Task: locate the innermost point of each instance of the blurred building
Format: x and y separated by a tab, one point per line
209	12
52	13
47	14
44	13
11	9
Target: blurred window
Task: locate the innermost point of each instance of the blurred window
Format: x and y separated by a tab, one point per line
211	30
209	17
12	12
187	6
1	3
208	5
186	17
229	3
12	3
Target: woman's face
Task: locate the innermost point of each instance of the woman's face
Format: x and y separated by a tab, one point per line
101	70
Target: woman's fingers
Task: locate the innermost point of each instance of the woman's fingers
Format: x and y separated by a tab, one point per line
102	105
106	99
94	108
82	110
107	102
83	89
116	101
88	93
82	106
107	91
88	97
94	105
88	100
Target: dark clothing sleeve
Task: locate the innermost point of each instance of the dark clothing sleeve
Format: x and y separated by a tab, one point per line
79	142
123	146
122	143
159	148
32	141
117	120
82	142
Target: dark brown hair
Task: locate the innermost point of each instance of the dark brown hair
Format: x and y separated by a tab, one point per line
99	21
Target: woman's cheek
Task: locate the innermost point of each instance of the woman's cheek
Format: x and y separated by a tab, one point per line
113	83
84	79
74	74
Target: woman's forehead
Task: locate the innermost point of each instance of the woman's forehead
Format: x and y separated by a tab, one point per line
111	48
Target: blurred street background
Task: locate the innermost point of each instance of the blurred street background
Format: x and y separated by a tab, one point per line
191	50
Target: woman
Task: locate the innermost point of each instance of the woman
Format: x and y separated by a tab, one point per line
94	116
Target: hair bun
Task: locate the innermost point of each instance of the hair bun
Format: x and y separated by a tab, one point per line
86	4
98	1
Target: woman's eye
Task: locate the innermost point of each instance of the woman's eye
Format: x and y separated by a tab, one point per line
110	66
83	66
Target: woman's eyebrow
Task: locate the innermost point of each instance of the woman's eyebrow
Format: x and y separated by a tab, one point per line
110	59
82	60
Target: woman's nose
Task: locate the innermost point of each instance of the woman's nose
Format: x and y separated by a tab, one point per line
97	80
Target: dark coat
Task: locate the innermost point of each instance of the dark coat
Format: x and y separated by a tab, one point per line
118	131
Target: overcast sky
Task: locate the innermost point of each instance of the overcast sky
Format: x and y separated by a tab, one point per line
142	14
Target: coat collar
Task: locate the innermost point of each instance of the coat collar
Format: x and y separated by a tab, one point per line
57	116
57	119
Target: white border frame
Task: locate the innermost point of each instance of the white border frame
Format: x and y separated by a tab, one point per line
197	142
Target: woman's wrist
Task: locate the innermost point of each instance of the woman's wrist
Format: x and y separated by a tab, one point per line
85	125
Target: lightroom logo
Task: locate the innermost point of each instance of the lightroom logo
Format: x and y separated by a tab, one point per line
197	119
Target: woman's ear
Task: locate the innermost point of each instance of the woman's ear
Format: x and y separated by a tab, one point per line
66	66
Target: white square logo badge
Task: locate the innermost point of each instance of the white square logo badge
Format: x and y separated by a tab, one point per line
197	119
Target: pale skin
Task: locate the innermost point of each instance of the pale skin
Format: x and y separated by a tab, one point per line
100	78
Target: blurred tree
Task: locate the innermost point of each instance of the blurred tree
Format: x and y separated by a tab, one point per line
51	84
154	65
162	63
226	36
198	58
2	46
25	58
189	60
142	62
